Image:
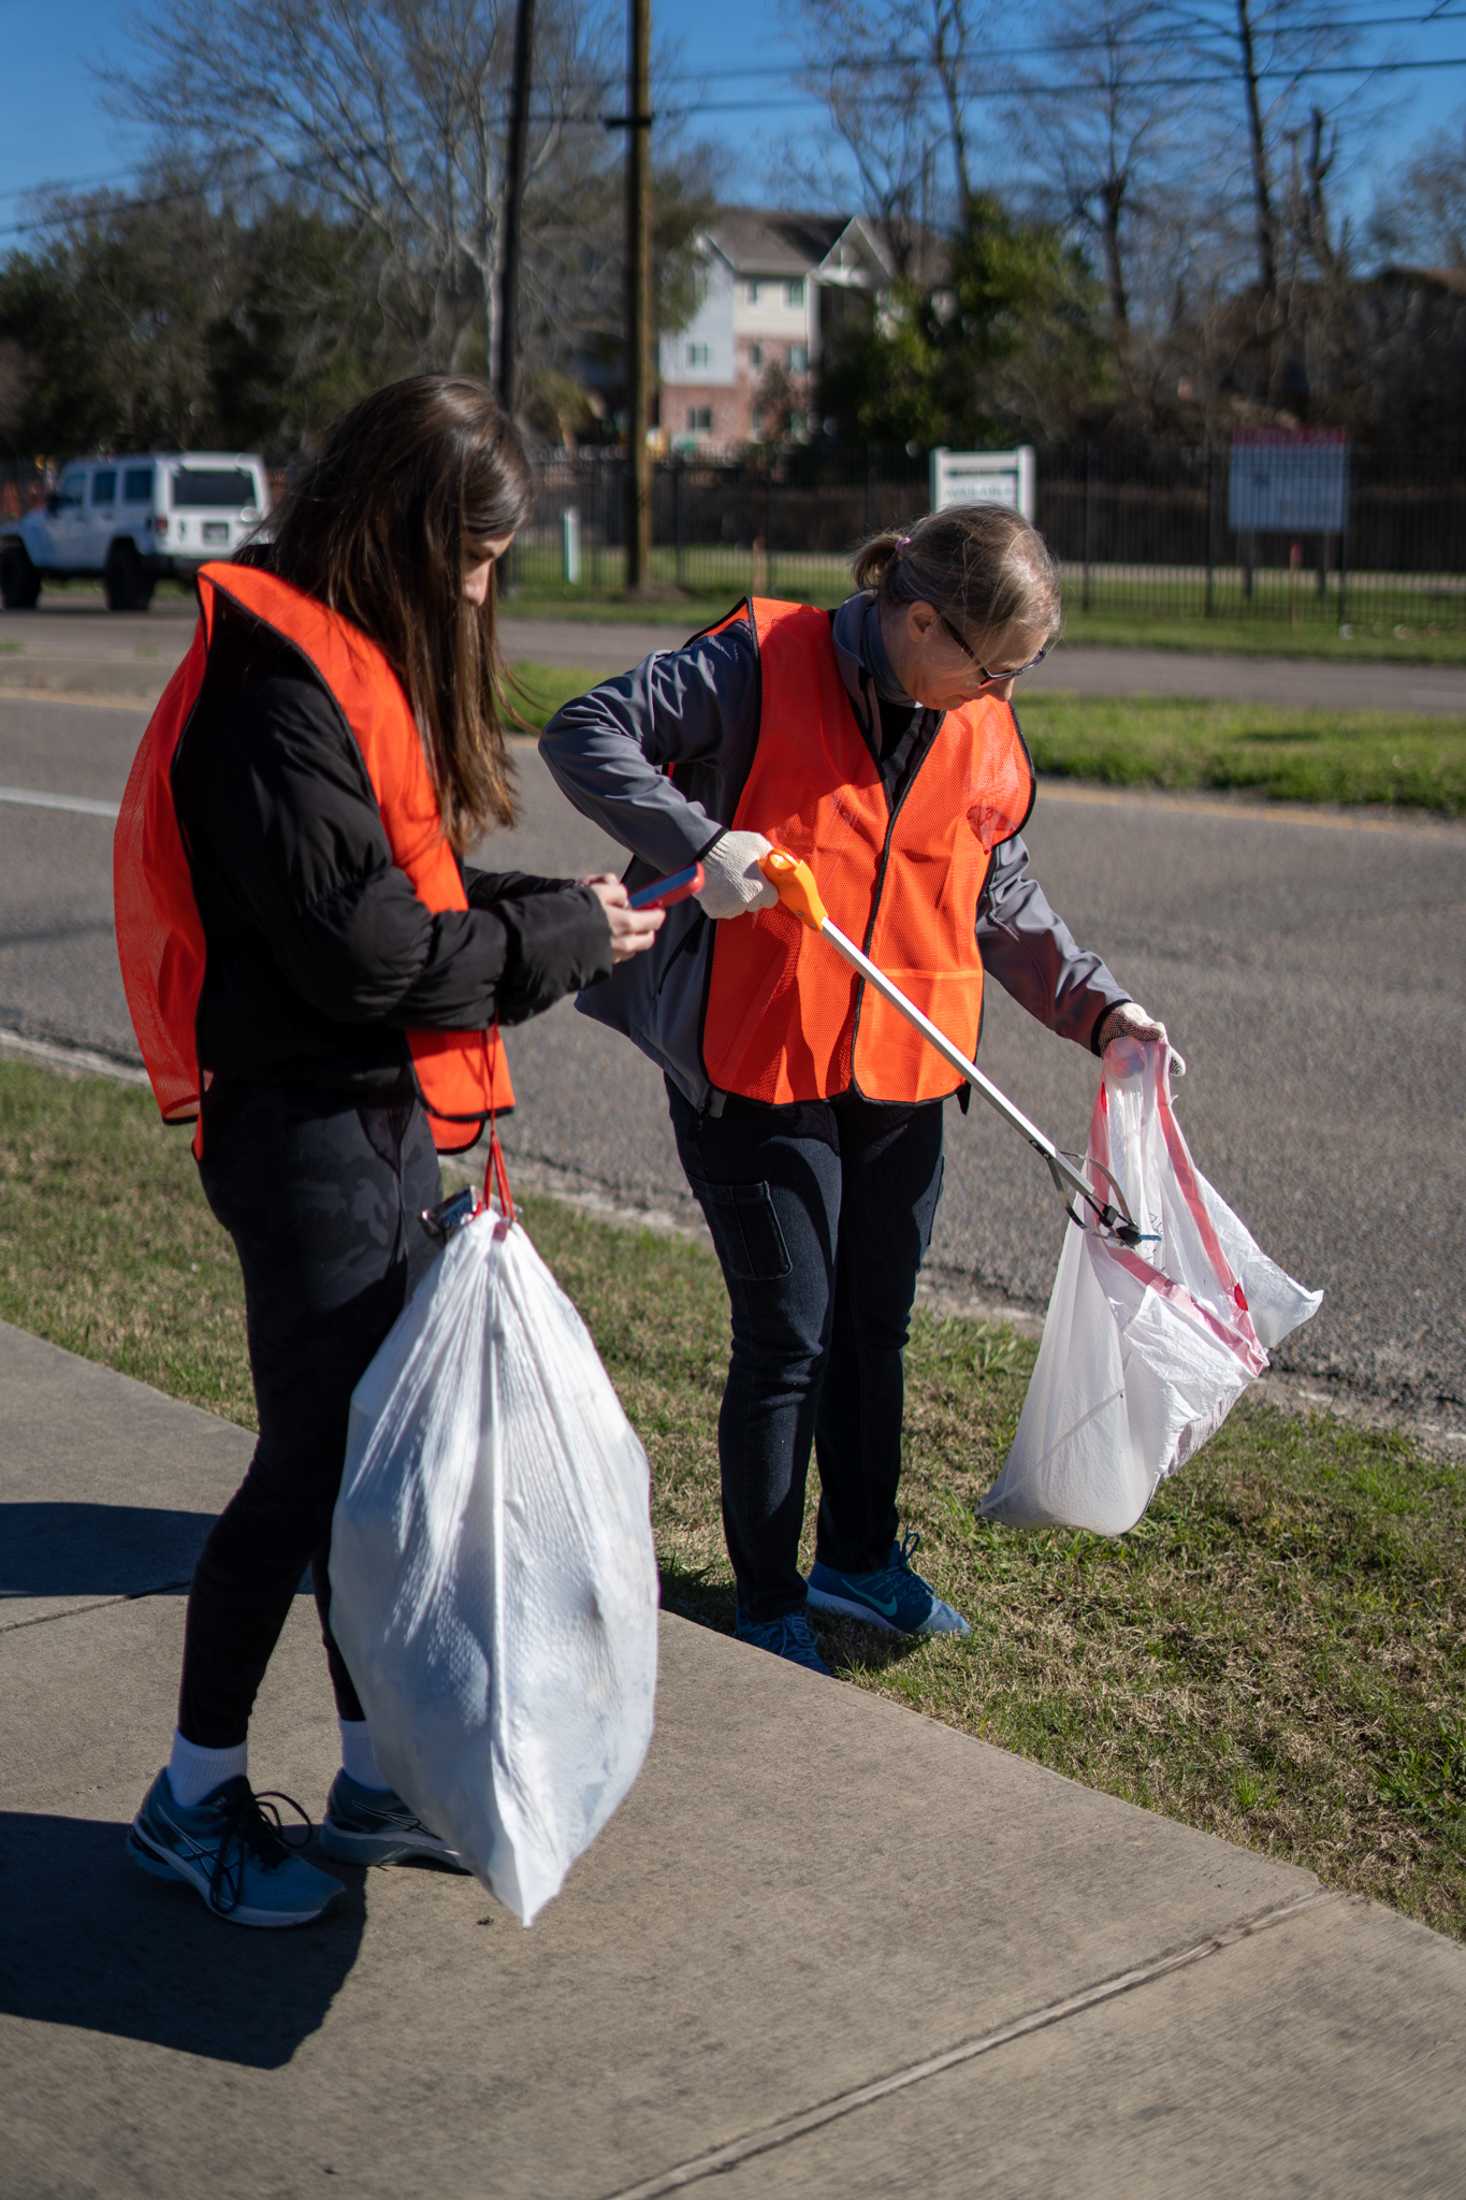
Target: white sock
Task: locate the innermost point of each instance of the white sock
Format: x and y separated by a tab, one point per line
358	1758
194	1773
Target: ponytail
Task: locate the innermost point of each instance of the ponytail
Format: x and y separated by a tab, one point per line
874	558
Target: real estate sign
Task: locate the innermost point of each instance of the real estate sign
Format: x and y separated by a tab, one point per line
1289	481
984	477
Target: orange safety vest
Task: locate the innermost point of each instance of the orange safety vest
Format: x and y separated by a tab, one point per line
462	1076
786	1018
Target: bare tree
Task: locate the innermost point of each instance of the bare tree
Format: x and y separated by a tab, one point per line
394	113
1106	146
898	82
1420	214
1261	52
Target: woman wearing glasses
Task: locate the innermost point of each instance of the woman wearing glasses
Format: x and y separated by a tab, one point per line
879	743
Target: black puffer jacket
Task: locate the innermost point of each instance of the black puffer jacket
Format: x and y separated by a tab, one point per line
320	956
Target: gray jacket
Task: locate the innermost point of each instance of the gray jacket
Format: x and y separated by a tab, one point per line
698	708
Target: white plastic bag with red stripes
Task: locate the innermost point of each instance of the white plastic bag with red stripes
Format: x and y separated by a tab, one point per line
1144	1351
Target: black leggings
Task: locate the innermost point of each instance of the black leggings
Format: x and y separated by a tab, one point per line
322	1202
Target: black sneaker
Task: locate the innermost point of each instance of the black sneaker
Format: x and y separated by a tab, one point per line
366	1825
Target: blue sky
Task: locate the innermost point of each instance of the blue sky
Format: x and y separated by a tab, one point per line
56	127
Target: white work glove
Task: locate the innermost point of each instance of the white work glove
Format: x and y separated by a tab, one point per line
1130	1021
732	881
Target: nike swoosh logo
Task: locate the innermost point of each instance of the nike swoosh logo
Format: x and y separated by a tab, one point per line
884	1605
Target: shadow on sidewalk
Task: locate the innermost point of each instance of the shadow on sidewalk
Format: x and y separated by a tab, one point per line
60	1550
89	1941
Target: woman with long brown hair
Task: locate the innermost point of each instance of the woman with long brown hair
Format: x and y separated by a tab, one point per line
317	977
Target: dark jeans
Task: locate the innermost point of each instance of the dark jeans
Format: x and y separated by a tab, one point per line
821	1214
322	1202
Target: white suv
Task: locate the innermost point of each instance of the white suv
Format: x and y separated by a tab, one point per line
132	520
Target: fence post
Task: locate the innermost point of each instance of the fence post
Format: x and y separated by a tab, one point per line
870	490
1343	576
1211	530
769	530
679	525
1086	593
570	546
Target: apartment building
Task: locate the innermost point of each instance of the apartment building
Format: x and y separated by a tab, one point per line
773	287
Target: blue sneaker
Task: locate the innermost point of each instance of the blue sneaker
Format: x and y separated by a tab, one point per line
788	1637
366	1825
893	1597
231	1850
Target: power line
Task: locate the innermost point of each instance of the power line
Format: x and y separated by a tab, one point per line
178	198
984	94
988	95
78	183
872	63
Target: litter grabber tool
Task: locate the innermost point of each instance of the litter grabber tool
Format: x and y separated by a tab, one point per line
793	882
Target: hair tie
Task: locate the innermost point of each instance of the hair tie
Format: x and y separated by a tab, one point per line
902	543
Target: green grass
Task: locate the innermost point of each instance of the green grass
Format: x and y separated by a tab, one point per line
1385	621
1402	633
1387	624
1273	1655
1285	754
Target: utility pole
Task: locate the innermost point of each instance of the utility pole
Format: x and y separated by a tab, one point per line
514	206
639	297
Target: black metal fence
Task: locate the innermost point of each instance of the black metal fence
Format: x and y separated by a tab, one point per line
1143	533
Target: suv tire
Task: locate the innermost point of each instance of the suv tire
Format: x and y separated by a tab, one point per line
128	582
20	583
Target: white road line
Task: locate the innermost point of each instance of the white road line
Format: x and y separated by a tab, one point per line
139	705
82	803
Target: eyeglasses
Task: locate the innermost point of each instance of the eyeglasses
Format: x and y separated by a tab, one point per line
966	647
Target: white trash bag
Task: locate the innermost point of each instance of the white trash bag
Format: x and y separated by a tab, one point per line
493	1583
1144	1352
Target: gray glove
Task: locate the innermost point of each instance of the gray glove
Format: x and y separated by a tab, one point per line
732	881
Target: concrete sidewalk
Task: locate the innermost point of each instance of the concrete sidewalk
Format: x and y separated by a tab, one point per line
827	1947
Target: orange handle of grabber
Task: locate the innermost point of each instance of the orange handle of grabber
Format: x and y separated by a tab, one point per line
793	882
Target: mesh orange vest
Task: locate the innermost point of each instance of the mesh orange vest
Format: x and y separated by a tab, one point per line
160	940
786	1019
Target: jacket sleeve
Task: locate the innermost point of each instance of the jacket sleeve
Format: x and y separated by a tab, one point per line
1033	955
485	888
611	751
288	822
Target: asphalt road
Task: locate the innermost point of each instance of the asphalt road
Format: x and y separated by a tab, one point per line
72	644
1310	967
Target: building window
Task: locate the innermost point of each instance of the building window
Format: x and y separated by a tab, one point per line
699	419
755	355
798	358
698	355
794	292
752	293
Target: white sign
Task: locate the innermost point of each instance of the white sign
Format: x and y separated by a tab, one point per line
983	477
1289	481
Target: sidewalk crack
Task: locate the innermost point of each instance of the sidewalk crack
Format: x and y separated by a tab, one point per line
102	1604
789	2128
